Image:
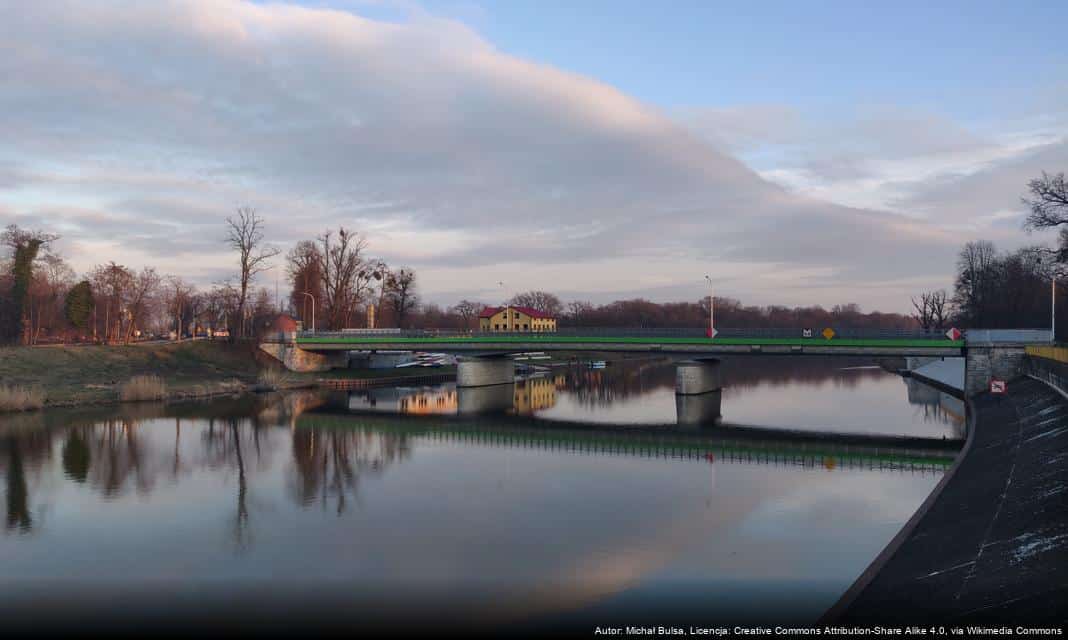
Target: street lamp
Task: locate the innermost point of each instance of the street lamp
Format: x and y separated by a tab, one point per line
1053	309
313	308
711	307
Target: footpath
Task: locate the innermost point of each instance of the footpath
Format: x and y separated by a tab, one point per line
991	543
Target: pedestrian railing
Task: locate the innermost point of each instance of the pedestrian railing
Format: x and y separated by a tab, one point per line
638	332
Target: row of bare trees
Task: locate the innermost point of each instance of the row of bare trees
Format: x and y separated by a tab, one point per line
334	282
42	299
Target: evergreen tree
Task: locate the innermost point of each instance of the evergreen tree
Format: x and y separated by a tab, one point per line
79	304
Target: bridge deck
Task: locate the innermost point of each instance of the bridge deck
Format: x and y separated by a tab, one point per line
552	342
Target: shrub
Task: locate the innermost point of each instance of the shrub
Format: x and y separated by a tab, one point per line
20	398
143	388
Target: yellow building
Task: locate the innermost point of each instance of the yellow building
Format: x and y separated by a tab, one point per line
512	318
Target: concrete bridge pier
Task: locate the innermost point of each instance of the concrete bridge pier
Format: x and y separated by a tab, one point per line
699	409
693	377
473	401
483	371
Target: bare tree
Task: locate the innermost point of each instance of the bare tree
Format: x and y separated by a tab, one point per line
540	300
931	309
1048	202
399	289
304	264
245	235
346	275
142	294
179	297
468	309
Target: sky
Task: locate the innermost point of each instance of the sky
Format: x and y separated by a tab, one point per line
797	153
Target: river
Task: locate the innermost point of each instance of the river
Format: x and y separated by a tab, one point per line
573	499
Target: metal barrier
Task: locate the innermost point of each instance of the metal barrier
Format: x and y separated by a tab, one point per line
643	332
1008	336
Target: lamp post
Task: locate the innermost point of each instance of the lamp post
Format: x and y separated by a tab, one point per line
711	307
313	308
1053	310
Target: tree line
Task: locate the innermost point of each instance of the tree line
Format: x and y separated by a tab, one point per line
43	299
1008	289
334	283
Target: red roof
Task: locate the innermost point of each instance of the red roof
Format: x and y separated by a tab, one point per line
489	312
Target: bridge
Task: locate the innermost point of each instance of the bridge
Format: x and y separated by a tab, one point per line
821	451
487	356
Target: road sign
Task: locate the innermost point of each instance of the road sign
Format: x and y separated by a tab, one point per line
998	386
828	333
953	333
806	333
711	333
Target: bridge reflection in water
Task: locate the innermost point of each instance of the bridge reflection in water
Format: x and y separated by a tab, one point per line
523	397
724	443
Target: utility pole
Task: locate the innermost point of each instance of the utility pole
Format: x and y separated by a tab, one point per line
711	308
1053	310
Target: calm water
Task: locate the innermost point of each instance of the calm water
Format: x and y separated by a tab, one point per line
570	500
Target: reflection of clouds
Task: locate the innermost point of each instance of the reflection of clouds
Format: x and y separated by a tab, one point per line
508	532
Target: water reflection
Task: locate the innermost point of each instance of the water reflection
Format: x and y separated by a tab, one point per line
345	503
767	391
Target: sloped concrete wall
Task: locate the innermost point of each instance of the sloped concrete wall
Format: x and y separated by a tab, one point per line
296	359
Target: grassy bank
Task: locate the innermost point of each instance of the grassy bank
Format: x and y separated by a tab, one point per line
94	374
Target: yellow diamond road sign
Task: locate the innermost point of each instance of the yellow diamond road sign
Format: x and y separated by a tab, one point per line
828	333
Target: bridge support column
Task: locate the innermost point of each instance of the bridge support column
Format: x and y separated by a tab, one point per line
484	371
473	401
699	409
300	360
694	377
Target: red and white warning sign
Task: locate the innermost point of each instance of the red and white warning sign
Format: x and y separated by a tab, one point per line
954	333
998	386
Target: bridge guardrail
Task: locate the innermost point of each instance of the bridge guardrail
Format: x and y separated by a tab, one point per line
638	332
1011	336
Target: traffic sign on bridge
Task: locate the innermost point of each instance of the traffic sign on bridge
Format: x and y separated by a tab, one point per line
998	386
954	333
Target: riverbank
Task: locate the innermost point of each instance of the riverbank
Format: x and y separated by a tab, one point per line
86	375
93	374
990	544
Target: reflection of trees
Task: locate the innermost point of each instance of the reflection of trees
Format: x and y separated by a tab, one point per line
330	462
18	510
619	381
622	379
76	457
117	456
21	454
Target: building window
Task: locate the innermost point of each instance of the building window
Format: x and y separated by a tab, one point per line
525	327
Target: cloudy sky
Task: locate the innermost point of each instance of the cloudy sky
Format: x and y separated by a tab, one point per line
798	152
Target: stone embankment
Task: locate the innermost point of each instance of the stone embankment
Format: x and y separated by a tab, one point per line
990	544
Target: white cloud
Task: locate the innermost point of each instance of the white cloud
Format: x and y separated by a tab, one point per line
136	127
